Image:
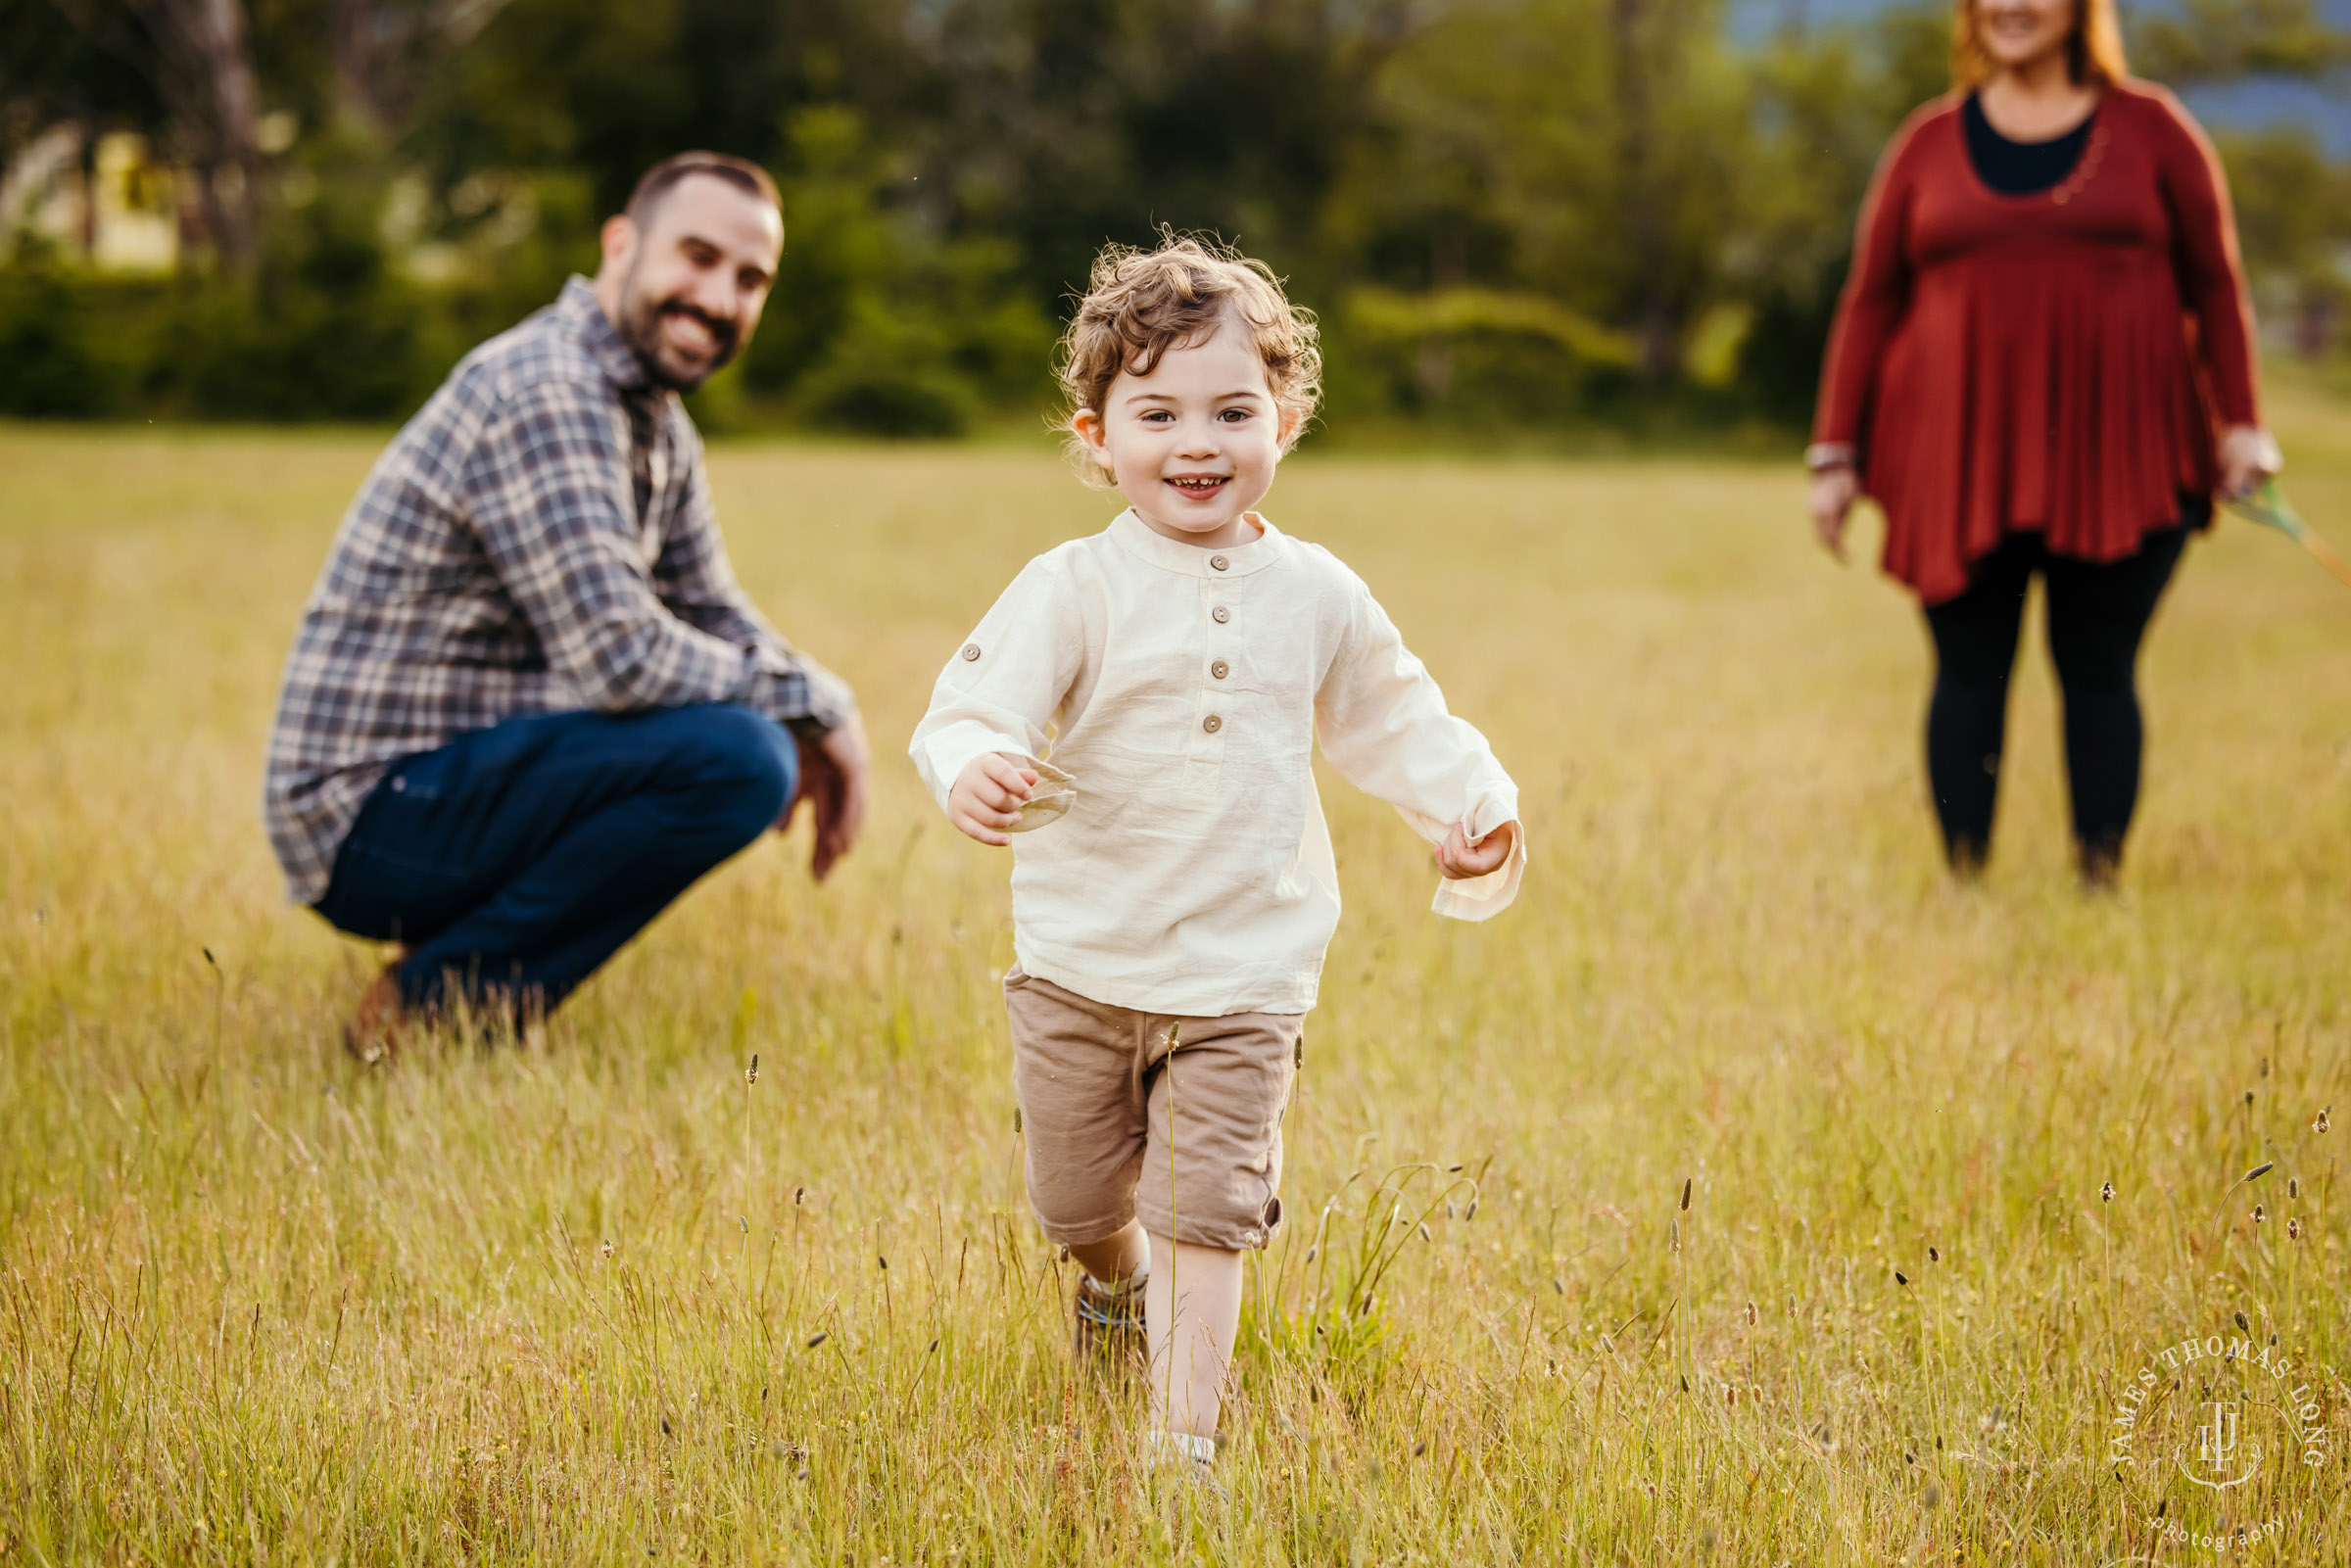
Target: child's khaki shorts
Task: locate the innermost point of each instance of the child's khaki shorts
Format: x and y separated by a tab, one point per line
1107	1107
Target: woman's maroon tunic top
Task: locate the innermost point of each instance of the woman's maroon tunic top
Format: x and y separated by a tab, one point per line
2051	363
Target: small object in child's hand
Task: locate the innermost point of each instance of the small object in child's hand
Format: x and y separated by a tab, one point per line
1056	792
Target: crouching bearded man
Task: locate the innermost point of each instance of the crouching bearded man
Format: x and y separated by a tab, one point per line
529	705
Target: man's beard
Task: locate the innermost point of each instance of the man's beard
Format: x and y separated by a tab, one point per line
641	329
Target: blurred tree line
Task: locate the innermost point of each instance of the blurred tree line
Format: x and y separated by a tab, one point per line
1535	212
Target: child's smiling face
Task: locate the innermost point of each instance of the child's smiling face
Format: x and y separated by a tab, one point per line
1193	445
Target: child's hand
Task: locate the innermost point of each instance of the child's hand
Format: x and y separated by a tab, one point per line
987	796
1458	857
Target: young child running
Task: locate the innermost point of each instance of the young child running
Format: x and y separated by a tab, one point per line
1144	703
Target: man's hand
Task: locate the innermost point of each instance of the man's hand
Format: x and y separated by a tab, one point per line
833	777
1458	857
987	795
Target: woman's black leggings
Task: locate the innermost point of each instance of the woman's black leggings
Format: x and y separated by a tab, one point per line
2097	613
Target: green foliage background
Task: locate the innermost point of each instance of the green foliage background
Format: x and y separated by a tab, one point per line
1546	214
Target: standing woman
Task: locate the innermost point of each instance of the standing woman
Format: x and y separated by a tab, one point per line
2042	362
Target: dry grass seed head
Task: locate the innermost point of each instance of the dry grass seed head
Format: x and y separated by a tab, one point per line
1140	303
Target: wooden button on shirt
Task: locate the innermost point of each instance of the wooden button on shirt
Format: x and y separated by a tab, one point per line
1183	694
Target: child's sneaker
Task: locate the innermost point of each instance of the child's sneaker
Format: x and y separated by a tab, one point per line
1186	1462
1109	1323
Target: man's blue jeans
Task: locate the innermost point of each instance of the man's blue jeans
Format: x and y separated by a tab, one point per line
515	860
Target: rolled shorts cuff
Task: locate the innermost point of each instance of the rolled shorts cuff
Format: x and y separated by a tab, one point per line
1083	1233
1226	1234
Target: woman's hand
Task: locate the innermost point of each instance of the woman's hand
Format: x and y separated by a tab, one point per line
1833	493
1459	858
987	796
2248	456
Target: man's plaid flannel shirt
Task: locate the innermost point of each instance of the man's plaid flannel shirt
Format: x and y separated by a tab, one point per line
538	538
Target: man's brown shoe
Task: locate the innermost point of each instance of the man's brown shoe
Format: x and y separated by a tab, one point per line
372	1036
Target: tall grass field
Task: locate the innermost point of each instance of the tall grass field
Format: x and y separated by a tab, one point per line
1746	1194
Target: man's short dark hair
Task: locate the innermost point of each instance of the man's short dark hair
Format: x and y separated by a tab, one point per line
667	176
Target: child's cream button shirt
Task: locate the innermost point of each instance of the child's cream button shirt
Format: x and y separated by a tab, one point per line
1181	691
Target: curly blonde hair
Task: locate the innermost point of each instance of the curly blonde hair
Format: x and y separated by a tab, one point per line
1140	303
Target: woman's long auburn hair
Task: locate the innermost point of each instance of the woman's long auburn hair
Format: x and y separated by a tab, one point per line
2093	49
